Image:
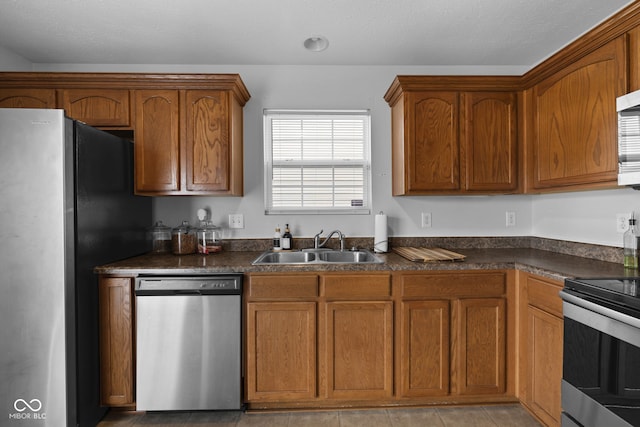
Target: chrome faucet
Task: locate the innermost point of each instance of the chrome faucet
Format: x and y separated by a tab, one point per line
318	245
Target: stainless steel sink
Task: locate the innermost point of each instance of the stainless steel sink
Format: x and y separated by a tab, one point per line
348	257
322	256
285	258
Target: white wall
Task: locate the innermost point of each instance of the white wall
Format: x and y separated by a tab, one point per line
584	217
10	61
588	216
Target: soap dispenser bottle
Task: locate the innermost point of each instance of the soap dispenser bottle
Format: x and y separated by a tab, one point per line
287	238
630	241
276	239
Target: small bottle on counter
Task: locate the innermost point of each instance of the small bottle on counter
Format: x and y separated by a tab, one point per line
286	239
276	239
630	240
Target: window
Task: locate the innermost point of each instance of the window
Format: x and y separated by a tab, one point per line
317	161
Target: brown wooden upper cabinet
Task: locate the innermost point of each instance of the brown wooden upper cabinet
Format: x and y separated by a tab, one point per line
187	128
574	141
27	98
97	107
452	141
188	142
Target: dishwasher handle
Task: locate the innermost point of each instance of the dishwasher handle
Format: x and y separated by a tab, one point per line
189	285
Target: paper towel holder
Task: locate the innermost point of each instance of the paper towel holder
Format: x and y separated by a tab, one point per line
380	239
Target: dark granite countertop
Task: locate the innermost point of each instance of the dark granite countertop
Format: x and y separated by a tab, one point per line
542	262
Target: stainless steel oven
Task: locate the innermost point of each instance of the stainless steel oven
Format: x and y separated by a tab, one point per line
601	354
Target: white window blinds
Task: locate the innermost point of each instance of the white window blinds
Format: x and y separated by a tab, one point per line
317	161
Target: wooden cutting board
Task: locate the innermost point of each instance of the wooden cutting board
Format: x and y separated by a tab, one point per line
428	254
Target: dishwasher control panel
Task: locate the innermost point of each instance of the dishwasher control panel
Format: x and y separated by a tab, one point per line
172	285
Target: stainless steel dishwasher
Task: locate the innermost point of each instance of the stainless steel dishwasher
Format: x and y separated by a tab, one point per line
188	342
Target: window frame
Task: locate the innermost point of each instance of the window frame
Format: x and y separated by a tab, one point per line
269	115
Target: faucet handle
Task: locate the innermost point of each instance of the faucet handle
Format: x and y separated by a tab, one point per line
318	235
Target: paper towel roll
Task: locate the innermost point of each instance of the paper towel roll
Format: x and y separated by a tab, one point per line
380	242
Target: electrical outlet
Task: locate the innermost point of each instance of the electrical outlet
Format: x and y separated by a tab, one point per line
426	219
236	221
622	222
510	220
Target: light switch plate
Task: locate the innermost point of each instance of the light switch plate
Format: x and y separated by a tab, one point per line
236	220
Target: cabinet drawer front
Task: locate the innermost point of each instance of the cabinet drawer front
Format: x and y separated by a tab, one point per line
453	285
356	285
544	295
283	286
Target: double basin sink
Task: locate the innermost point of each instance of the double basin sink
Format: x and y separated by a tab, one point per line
314	256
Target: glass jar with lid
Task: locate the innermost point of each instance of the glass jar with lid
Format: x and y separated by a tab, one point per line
209	238
183	239
160	238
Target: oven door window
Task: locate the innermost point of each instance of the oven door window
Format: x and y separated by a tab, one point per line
603	367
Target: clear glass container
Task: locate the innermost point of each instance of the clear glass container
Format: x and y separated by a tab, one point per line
209	238
183	239
630	240
160	238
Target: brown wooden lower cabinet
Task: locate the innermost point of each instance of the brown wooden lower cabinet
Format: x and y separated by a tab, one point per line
359	349
425	341
365	338
541	345
117	361
453	334
281	350
481	335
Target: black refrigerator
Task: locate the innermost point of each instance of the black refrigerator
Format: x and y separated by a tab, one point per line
66	206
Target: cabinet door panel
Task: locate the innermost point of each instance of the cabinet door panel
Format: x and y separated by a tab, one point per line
545	364
207	142
359	349
27	98
482	341
97	107
490	140
424	354
433	155
281	351
576	122
156	141
116	341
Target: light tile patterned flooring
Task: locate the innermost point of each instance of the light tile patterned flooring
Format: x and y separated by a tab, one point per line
469	416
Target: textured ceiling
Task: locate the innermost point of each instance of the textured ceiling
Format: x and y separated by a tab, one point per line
360	32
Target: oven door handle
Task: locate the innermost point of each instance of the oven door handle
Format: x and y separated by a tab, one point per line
601	318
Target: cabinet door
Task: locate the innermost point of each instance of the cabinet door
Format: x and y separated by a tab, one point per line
27	98
157	144
489	135
359	350
575	121
281	351
207	142
424	353
432	153
482	346
116	341
545	364
97	107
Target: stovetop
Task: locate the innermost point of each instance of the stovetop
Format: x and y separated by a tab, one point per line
611	290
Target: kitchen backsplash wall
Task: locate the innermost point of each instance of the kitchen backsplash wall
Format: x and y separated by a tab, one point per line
587	217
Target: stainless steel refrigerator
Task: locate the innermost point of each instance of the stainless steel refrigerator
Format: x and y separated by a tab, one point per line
66	205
